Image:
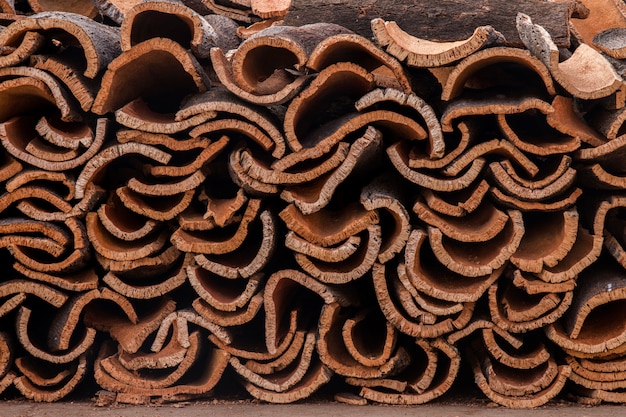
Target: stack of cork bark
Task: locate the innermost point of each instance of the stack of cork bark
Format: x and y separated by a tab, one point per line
288	192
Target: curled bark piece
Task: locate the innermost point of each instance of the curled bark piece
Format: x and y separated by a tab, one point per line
53	92
19	139
474	260
71	258
602	81
37	388
490	378
473	67
277	290
354	48
219	100
585	252
106	156
457	204
130	278
388	282
226	318
424	53
28	45
221	294
117	249
549	237
316	227
409	103
611	42
481	225
399	156
280	380
23	321
607	222
439	372
99	43
138	115
69	317
363	155
384	194
584	330
342	339
167	19
551	184
177	383
352	268
67	71
131	69
515	310
288	48
318	375
432	278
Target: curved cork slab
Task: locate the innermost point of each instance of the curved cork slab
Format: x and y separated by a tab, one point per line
20	139
280	380
432	278
497	382
364	154
32	388
556	178
549	237
128	77
478	259
223	294
166	19
228	319
216	241
607	222
130	280
279	289
584	330
459	203
410	103
99	162
383	193
586	74
177	383
471	67
482	224
353	268
339	345
52	91
329	227
457	142
424	53
81	346
530	351
516	310
221	101
354	48
390	279
138	115
21	49
72	257
440	371
99	43
399	155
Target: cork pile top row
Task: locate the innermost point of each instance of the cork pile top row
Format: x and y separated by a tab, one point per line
283	194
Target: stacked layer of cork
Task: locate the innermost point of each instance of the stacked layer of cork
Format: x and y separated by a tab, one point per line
292	193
